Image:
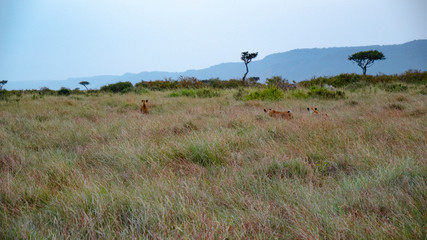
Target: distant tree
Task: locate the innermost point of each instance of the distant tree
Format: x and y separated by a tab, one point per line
366	59
84	83
121	87
64	91
247	58
2	83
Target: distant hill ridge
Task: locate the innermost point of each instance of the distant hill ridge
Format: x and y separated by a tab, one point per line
297	65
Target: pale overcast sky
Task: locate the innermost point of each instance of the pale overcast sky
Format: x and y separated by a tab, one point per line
58	39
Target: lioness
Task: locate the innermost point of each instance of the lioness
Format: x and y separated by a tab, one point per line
144	108
316	112
274	113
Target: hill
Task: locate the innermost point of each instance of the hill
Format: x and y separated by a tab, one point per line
297	65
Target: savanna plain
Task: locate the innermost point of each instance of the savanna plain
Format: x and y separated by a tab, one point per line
91	166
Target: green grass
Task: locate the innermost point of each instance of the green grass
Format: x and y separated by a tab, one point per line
93	167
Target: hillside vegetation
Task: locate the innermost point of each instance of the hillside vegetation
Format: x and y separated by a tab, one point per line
210	164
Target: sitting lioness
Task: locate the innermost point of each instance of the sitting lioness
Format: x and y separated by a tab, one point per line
144	108
274	113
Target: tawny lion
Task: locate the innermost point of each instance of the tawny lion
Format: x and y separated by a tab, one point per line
274	113
315	112
144	108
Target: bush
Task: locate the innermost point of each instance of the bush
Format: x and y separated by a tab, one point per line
342	80
141	90
232	83
46	91
276	81
4	95
298	94
323	92
190	82
158	85
336	81
272	94
199	93
121	87
413	76
64	91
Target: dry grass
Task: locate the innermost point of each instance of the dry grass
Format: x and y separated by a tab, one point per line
216	168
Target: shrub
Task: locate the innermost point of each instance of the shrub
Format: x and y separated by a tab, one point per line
141	90
342	80
413	76
323	92
272	94
232	83
158	85
299	94
276	81
336	81
200	93
190	82
121	87
4	95
64	91
46	91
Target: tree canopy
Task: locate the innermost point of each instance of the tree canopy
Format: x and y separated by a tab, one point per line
365	59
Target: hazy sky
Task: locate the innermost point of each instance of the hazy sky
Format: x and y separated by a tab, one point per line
58	39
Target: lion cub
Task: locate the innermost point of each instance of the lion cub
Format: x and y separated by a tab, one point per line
315	112
144	108
274	113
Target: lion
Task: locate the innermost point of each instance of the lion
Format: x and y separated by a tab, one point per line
144	108
315	112
284	115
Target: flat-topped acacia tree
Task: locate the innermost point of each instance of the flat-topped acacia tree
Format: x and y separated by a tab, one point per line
2	83
366	59
84	83
247	58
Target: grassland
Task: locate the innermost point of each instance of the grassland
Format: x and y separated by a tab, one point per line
93	167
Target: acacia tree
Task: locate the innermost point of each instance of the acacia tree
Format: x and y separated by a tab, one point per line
247	58
84	83
366	59
2	83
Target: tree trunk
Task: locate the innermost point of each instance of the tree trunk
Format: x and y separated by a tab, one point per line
364	70
247	70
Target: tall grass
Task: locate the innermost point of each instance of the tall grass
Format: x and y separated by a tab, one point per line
93	167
